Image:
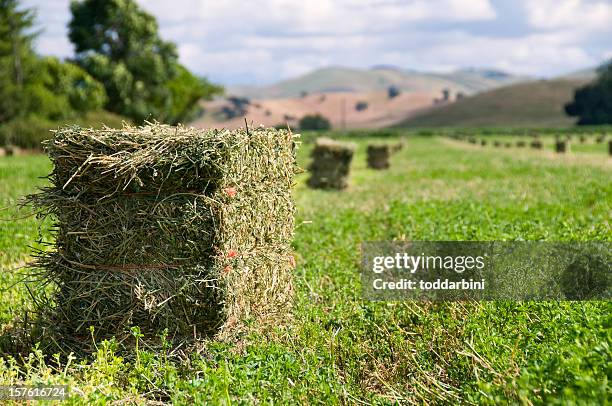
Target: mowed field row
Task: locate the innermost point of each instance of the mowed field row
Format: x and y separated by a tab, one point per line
341	348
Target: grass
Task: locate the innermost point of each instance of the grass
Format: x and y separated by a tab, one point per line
342	349
531	104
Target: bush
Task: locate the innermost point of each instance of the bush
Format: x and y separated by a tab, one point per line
314	122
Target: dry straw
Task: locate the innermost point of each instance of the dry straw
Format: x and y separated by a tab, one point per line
168	228
331	164
378	156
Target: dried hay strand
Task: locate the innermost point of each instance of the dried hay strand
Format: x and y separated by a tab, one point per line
167	227
378	156
331	164
562	146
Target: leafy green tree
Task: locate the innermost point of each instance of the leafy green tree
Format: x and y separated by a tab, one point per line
314	122
592	103
118	44
16	57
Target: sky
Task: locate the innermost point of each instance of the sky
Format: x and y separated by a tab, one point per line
257	42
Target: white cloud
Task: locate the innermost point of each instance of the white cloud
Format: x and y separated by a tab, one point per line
259	41
584	14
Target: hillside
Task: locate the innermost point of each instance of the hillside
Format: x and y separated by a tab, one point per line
340	79
530	104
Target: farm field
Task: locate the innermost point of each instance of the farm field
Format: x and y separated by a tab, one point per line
340	348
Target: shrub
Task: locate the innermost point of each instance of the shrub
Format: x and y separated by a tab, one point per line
315	122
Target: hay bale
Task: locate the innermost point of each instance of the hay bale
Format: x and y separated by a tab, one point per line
497	144
168	228
582	138
562	146
331	164
610	147
472	140
521	144
398	146
508	144
378	156
600	139
536	144
12	150
483	143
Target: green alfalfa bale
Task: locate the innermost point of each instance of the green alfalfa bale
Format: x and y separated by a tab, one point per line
582	138
497	143
169	228
398	146
600	138
472	140
536	144
521	144
508	144
610	147
331	164
562	146
378	156
483	143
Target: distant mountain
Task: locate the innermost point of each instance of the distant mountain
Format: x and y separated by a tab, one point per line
341	79
529	104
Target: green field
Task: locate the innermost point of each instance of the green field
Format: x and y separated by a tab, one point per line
340	348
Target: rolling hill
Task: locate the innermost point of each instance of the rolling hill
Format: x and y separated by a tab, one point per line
530	104
341	79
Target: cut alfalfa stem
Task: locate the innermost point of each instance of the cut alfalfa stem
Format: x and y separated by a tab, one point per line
378	156
562	146
331	164
167	228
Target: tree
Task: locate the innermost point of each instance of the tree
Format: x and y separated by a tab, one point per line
592	103
16	57
118	44
393	91
314	122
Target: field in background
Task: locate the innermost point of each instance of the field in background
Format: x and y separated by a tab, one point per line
341	348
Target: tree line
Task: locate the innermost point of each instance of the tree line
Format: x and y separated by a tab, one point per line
121	64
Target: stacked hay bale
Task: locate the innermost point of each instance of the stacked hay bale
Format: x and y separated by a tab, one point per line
536	144
562	146
168	228
331	164
378	156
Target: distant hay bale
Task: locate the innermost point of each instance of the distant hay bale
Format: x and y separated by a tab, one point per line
610	147
562	146
331	164
167	227
536	144
472	140
521	144
600	139
497	144
582	138
11	150
483	143
398	146
508	144
378	156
